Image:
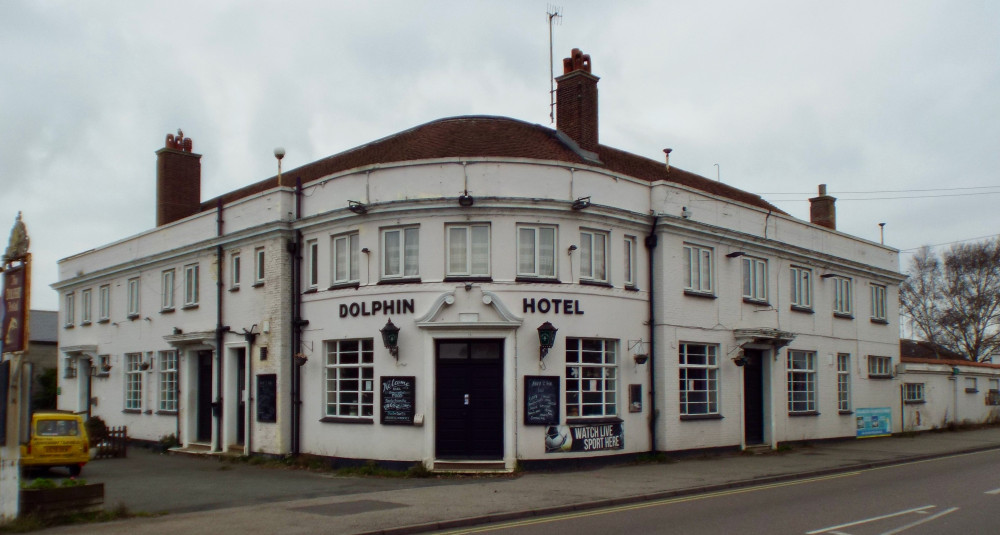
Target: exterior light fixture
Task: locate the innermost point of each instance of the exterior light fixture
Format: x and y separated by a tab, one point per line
390	337
465	199
546	338
359	208
685	213
581	203
736	254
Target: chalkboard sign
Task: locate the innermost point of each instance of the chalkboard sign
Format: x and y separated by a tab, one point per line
267	397
398	395
541	400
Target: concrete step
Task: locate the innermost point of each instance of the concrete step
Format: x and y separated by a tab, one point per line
758	449
470	467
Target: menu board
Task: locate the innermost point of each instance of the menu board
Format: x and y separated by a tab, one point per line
541	400
398	400
267	397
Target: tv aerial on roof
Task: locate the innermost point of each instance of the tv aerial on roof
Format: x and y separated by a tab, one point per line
554	16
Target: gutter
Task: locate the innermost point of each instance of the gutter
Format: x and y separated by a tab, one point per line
220	330
650	243
295	248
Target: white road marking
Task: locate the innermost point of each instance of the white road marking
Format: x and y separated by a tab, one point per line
867	520
921	521
994	492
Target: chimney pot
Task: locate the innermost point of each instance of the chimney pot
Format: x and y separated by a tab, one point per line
576	101
823	210
178	180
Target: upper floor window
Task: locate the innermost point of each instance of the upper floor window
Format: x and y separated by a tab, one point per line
842	302
536	251
345	258
629	257
234	271
879	367
400	252
697	269
85	306
133	297
591	377
754	279
468	250
699	379
801	287
191	285
167	290
878	303
70	315
312	263
593	256
801	381
258	271
104	307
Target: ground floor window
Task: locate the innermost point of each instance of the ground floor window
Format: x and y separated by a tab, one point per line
350	378
591	377
801	381
843	382
913	393
133	381
699	379
168	381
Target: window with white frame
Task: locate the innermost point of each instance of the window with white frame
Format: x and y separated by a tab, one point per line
133	297
630	256
234	270
993	396
801	288
593	256
754	279
699	379
842	303
400	252
312	263
258	266
843	382
913	393
191	285
167	290
468	250
878	303
971	385
168	381
346	254
104	306
536	251
801	381
70	310
879	367
591	377
697	269
350	377
133	381
85	306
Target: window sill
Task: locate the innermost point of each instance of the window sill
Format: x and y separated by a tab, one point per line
525	278
804	310
132	317
84	323
845	413
631	288
694	417
68	326
468	278
880	377
346	420
190	307
104	320
341	285
914	401
703	295
311	290
804	413
880	321
131	411
167	413
588	282
168	310
234	289
592	420
971	390
258	284
401	280
843	316
758	302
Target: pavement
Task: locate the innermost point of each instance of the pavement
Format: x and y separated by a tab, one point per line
202	495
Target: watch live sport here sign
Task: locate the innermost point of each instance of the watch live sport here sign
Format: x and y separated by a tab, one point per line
875	422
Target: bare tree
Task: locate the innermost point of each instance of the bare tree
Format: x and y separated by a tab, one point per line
954	302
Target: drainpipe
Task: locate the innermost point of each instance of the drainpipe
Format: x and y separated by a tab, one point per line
295	248
220	330
650	242
248	337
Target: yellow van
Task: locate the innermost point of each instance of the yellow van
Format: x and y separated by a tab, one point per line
58	438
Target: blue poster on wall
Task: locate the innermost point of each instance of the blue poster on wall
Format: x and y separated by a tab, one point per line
874	422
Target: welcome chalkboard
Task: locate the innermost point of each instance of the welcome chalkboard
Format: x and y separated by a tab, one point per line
398	400
541	400
267	397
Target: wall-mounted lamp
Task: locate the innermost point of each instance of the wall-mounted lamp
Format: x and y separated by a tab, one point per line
390	337
465	199
366	250
546	338
359	208
581	203
685	213
571	249
177	330
736	254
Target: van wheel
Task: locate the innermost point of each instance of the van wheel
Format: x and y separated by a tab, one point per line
74	470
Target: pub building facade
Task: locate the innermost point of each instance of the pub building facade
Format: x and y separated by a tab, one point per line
475	292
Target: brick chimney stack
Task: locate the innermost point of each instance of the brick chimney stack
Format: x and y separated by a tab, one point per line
822	209
576	101
178	180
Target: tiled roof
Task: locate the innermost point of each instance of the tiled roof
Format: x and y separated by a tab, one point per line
44	325
925	350
950	362
484	136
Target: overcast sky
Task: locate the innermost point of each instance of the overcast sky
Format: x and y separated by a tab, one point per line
863	96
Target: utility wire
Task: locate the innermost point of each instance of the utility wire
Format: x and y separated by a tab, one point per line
913	249
879	191
894	198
